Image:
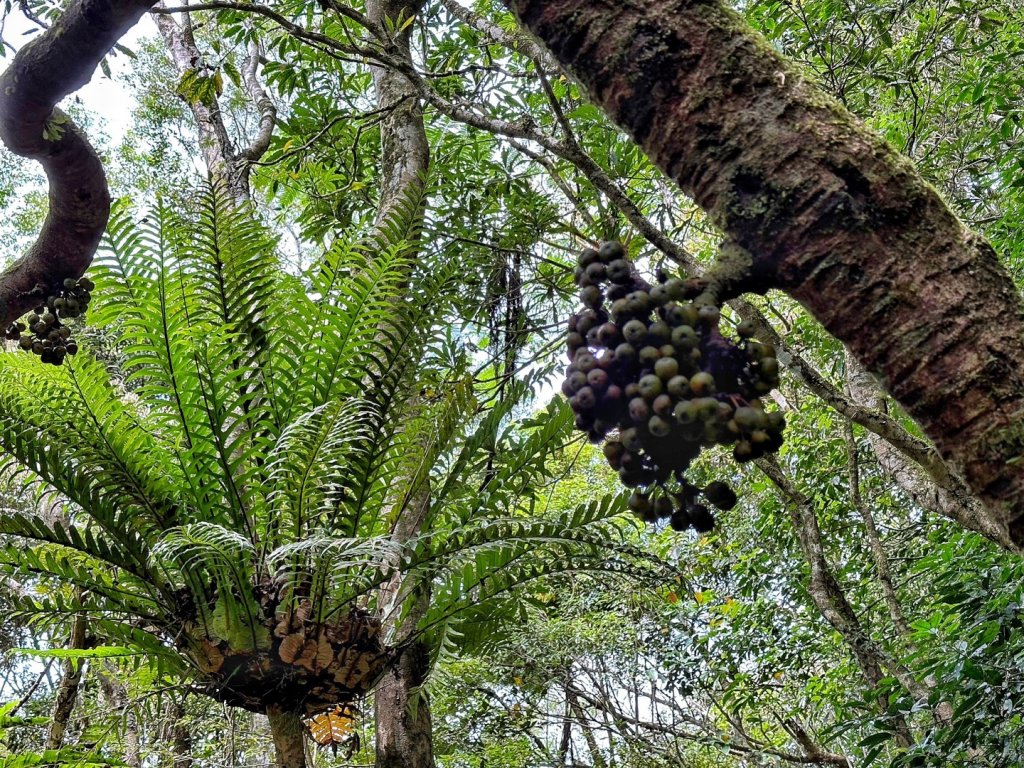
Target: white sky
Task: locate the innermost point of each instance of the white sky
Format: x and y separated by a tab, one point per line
103	97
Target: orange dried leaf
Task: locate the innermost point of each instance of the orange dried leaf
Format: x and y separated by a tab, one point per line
290	648
331	727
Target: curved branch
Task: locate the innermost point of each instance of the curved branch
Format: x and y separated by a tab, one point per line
262	101
226	165
55	64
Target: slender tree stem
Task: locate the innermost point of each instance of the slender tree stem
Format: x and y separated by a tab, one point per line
289	737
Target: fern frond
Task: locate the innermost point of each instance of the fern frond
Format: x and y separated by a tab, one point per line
208	554
307	468
69	566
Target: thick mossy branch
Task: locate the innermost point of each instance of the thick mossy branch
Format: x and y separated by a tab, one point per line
833	216
57	63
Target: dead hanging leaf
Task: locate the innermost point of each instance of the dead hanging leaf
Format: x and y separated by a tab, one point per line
211	659
358	670
340	668
308	656
324	654
290	648
333	727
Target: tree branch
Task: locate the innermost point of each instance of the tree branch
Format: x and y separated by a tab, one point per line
58	62
832	215
268	112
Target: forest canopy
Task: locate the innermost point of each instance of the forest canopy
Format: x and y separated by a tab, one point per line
287	475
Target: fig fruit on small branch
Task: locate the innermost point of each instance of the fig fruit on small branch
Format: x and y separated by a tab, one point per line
44	71
835	217
651	372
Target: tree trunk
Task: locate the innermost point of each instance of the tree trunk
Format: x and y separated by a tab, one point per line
404	736
404	729
175	732
943	711
227	167
883	568
67	691
596	756
116	694
828	212
289	737
405	154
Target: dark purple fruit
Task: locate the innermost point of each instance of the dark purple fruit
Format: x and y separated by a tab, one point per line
700	518
592	296
639	411
662	405
585	399
618	272
720	495
608	334
611	250
679	520
598	379
587	257
663	506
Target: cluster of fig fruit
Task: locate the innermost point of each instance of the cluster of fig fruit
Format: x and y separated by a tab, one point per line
44	332
651	374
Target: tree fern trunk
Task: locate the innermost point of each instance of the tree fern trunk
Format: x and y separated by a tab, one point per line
289	737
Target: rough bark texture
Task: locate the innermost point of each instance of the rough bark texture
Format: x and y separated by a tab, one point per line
226	165
404	736
67	690
831	214
47	69
289	737
405	154
404	729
